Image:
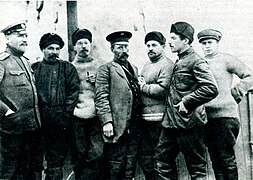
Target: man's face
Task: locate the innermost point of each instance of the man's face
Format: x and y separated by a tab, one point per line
17	40
154	49
51	52
83	47
210	46
176	44
120	50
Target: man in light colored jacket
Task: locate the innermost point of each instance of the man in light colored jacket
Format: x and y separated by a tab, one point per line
88	142
223	124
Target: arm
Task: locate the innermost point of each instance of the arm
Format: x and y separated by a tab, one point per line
235	66
102	95
159	88
206	87
72	88
3	107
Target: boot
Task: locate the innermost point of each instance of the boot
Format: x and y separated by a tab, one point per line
54	173
36	176
115	170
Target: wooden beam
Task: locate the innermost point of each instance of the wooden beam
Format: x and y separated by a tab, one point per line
72	24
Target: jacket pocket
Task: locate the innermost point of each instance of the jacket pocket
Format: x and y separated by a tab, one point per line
10	123
18	78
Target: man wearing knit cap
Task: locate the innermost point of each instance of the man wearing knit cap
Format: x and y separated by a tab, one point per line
57	84
19	113
154	81
192	84
223	124
117	103
88	142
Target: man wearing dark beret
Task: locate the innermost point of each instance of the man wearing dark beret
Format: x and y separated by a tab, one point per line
117	103
222	112
19	113
57	84
192	84
88	141
154	81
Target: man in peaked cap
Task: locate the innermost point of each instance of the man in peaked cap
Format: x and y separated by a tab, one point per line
117	104
154	81
192	85
222	112
88	142
57	84
20	120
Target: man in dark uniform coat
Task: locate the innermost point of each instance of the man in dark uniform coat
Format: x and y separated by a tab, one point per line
19	114
57	83
117	103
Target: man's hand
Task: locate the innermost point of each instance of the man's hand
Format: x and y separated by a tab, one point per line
181	107
108	130
9	112
141	81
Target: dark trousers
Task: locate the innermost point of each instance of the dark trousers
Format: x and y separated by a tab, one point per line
121	157
56	138
220	138
17	156
149	139
87	149
190	143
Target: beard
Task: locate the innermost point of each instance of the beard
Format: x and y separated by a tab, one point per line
123	56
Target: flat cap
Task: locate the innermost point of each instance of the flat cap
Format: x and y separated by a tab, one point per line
50	38
184	29
156	36
119	36
209	34
19	27
81	34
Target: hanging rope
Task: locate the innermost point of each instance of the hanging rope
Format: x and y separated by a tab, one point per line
39	7
56	20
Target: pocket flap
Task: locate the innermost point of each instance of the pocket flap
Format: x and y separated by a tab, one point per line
16	73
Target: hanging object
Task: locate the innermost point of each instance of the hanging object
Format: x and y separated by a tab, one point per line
27	4
56	20
39	7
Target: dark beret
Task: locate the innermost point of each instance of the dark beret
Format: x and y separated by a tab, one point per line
81	34
119	36
156	36
184	29
209	34
50	38
16	27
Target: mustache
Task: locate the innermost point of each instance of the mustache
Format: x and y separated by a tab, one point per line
23	44
124	54
54	56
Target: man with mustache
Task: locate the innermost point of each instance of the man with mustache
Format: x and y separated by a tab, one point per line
88	141
192	85
117	104
57	84
154	81
19	113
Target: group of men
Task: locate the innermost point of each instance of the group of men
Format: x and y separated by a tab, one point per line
111	116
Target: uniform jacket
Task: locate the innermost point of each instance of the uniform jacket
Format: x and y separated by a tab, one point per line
157	75
192	83
114	98
18	93
66	93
